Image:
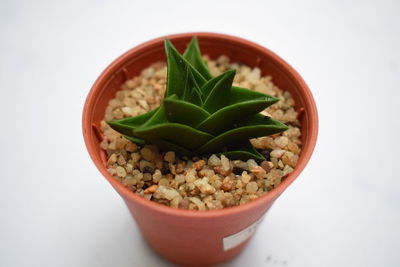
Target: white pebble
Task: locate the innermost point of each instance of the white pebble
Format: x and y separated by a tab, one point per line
277	153
225	163
251	163
214	161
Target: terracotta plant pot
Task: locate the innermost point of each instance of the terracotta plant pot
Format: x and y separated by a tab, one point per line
197	238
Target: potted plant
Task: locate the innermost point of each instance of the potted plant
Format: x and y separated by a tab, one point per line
199	115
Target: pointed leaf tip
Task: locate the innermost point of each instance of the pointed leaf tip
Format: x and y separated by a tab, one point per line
193	56
220	88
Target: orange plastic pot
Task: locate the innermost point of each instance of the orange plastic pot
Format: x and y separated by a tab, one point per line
197	238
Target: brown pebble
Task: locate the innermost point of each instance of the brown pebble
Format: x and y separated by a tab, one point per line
266	153
227	184
151	189
199	164
266	165
218	169
184	204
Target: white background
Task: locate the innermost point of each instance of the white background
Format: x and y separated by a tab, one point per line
57	210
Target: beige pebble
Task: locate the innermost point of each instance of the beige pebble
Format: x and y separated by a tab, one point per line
121	172
157	176
281	141
112	159
258	171
251	163
245	177
163	182
225	163
214	160
277	153
251	187
198	203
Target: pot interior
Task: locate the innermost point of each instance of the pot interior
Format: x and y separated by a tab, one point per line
238	50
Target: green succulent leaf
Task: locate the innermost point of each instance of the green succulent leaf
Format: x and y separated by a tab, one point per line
239	94
160	116
196	98
135	140
219	94
184	112
176	133
200	114
255	127
226	117
178	72
193	56
243	151
126	126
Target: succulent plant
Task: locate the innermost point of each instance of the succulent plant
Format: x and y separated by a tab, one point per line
201	114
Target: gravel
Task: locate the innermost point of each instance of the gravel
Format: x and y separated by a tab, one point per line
199	183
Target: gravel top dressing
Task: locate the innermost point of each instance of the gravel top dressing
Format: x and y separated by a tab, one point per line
199	183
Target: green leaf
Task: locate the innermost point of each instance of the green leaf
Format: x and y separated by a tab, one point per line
184	112
239	94
176	133
255	127
219	94
200	114
261	119
196	98
209	85
193	56
243	151
177	71
226	117
160	116
191	90
126	126
135	140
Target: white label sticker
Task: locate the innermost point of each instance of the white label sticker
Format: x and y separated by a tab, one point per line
238	238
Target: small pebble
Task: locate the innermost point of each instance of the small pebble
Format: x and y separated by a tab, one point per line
169	156
148	169
147	154
251	187
121	172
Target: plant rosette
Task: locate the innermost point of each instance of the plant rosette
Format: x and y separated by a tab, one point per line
187	144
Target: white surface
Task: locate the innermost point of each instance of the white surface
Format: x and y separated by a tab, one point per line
57	210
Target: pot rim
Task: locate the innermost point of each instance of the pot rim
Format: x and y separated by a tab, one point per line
266	198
